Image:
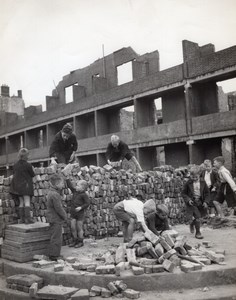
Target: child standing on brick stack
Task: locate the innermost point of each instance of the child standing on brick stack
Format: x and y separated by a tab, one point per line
22	185
56	215
79	203
227	189
196	196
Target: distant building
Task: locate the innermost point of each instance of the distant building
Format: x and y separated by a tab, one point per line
11	104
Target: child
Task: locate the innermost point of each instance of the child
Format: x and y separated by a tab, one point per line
80	202
158	221
196	196
212	180
130	211
56	215
22	185
227	189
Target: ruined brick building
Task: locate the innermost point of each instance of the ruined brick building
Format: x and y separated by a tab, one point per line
196	120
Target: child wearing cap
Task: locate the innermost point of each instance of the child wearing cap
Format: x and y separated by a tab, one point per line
64	145
80	202
130	211
56	215
196	196
227	189
157	221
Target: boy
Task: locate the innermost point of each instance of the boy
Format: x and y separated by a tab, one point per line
227	189
131	211
212	180
80	202
158	221
56	215
196	196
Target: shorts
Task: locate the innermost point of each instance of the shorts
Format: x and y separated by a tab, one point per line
226	193
121	214
79	216
195	212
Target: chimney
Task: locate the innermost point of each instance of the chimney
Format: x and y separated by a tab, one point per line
19	94
5	90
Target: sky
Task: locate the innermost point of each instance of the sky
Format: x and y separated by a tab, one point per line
43	40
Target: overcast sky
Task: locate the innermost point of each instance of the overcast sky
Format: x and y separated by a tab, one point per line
43	40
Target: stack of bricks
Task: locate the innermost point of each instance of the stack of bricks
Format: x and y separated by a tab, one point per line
106	187
23	282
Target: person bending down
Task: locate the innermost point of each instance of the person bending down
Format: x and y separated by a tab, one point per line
157	221
117	150
131	211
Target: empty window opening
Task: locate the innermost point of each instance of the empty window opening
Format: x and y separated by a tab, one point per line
69	94
125	73
127	118
227	94
158	105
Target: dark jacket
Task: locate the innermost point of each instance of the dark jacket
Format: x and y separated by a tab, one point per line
215	179
119	153
188	192
79	199
22	183
55	210
155	223
62	147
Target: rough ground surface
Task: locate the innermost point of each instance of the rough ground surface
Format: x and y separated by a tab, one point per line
220	239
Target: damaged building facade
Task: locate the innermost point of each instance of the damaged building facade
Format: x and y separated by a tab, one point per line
196	120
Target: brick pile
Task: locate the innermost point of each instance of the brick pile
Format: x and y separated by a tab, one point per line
24	282
106	187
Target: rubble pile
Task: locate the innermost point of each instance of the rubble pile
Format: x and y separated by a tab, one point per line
106	187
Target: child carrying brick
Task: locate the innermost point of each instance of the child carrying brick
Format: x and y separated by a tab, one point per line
227	189
80	202
196	196
22	185
56	215
131	211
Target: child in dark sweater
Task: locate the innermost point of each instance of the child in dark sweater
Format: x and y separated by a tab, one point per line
56	215
80	202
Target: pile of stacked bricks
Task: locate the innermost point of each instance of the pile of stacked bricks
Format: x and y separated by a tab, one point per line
106	187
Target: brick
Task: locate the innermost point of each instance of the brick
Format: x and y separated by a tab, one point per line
56	292
217	258
58	268
105	293
111	286
109	258
96	290
168	265
159	249
187	266
151	250
82	294
164	244
121	286
120	254
137	270
43	264
91	268
173	233
175	260
206	261
33	290
148	269
131	294
169	253
71	259
108	269
168	239
154	239
142	250
147	261
157	269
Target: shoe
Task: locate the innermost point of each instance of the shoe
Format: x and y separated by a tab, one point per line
198	236
191	227
73	244
79	245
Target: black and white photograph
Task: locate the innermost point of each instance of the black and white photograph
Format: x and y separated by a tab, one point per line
118	149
